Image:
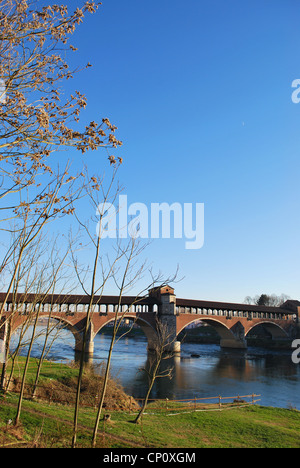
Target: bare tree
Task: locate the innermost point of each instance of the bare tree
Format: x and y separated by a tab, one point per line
160	352
23	280
96	286
57	263
131	273
43	277
44	286
119	262
35	117
55	200
37	120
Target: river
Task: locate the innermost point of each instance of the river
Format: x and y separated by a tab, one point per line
201	370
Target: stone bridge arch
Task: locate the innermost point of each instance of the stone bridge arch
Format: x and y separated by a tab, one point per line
147	325
275	329
68	325
229	337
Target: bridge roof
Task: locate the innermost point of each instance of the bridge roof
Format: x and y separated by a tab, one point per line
72	299
290	307
231	306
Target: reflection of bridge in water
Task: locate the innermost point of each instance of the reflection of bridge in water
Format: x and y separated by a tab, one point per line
232	321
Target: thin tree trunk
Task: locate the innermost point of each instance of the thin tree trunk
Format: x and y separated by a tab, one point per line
112	342
152	380
4	365
14	357
17	418
104	388
41	360
82	357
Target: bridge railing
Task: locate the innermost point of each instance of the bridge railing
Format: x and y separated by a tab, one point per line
200	404
231	313
71	309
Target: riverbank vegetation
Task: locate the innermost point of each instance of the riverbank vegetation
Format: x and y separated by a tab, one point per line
48	424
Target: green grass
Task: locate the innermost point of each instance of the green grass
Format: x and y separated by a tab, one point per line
50	425
250	427
50	370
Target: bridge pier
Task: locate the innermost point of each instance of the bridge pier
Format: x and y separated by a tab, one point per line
89	344
233	343
237	339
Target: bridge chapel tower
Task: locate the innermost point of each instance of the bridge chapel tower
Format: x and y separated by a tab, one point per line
167	315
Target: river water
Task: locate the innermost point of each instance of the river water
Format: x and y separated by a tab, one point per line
212	372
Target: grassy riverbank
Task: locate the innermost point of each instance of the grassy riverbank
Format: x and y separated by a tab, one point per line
48	424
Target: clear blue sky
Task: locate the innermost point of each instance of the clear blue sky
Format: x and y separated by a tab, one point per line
201	93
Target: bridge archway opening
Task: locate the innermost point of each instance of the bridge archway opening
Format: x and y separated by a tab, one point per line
130	327
214	330
267	331
199	331
60	338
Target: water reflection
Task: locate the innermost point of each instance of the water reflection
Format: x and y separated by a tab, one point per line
215	372
228	373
